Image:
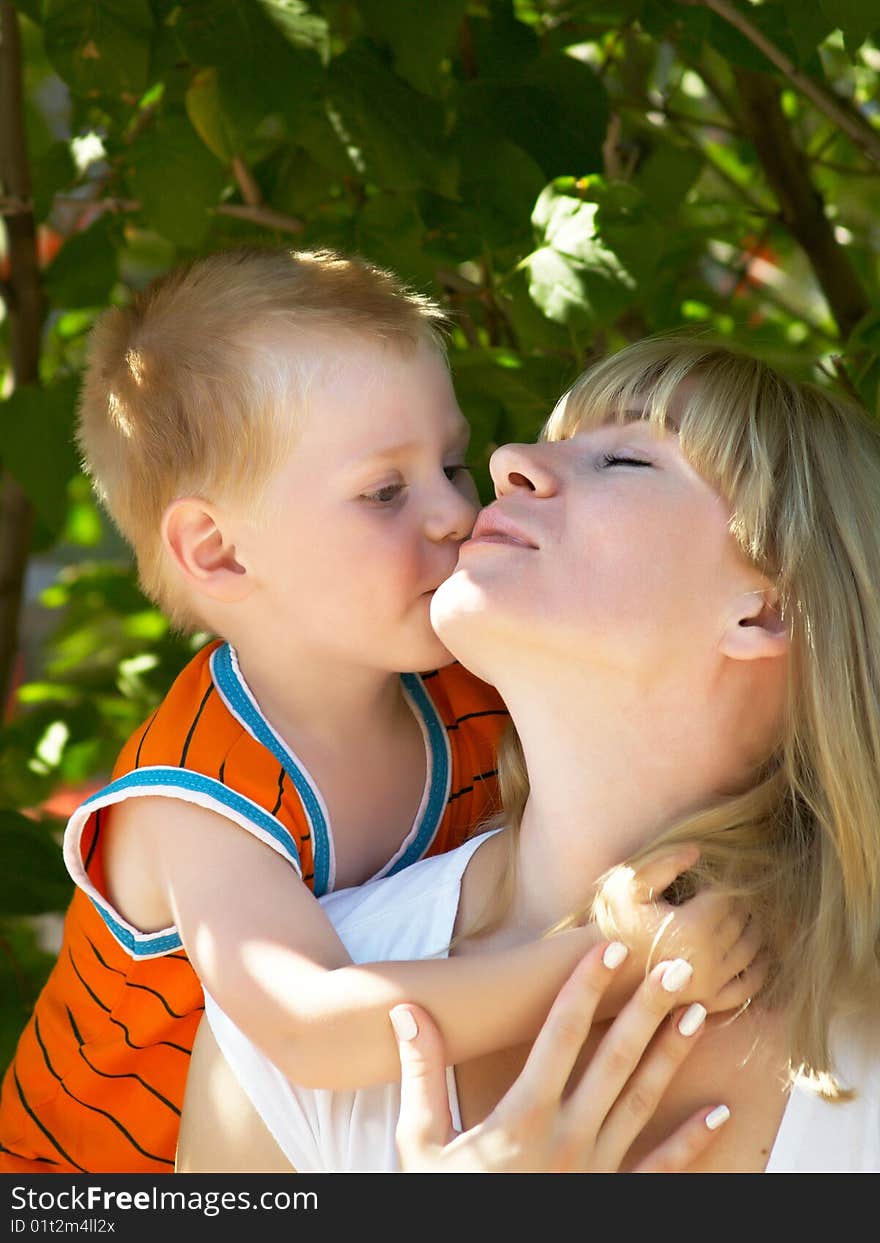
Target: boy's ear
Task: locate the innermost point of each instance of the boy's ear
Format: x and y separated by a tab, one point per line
194	537
756	629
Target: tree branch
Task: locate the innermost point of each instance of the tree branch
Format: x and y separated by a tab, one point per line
246	182
803	210
261	215
25	309
852	123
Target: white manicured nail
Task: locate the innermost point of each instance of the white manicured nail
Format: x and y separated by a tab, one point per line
676	975
717	1117
692	1019
614	954
404	1024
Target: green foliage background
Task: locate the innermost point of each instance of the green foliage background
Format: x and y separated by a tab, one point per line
566	175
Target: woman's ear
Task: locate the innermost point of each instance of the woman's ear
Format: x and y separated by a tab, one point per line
200	545
756	629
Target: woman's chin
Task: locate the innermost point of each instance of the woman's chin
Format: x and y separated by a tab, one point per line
458	596
459	612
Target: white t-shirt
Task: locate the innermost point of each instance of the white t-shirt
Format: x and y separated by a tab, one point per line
411	916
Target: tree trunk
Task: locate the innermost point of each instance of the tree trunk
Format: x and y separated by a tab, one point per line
24	306
803	210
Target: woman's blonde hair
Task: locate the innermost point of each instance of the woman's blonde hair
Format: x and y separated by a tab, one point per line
801	470
194	388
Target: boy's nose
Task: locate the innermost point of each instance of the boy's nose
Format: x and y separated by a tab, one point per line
528	467
454	515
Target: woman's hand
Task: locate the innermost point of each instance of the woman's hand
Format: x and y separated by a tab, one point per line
532	1128
714	933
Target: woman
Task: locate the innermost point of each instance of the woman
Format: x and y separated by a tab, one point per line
676	593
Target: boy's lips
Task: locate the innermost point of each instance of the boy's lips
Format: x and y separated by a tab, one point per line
493	526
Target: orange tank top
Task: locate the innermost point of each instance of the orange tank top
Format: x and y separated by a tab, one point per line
97	1081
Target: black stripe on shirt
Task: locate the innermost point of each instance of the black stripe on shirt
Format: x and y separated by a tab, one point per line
137	758
49	1136
192	728
469	716
94	1108
129	983
493	772
94	839
19	1156
124	1075
280	792
169	1044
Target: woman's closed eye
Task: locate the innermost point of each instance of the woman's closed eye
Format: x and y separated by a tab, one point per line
622	459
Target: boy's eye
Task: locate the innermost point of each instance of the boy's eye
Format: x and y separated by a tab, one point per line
614	459
452	471
386	495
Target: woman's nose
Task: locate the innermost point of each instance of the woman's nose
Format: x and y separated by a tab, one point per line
522	466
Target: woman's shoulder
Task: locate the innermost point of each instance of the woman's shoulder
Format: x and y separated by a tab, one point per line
823	1135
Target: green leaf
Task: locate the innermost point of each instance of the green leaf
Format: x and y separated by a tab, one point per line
32	9
573	277
866	333
771	20
523	404
499	185
84	271
393	134
24	967
808	26
259	70
502	46
419	35
390	232
558	287
100	46
856	18
205	111
667	175
630	225
299	26
33	878
177	181
44	417
54	170
529	322
297	182
557	112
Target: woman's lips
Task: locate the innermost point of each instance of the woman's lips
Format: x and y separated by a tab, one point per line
494	527
496	537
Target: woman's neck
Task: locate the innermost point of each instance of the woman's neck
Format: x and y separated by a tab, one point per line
607	773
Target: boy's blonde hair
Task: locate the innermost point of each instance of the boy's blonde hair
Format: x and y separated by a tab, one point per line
801	470
193	389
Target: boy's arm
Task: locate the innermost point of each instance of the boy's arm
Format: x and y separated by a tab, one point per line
264	948
266	951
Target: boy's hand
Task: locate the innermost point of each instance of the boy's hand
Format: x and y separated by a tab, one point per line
715	934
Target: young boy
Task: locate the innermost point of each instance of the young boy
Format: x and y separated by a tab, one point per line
277	437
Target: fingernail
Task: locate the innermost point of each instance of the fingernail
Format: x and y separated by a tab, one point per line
404	1024
676	975
692	1019
717	1117
615	952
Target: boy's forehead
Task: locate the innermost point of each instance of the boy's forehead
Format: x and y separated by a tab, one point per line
384	444
372	400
